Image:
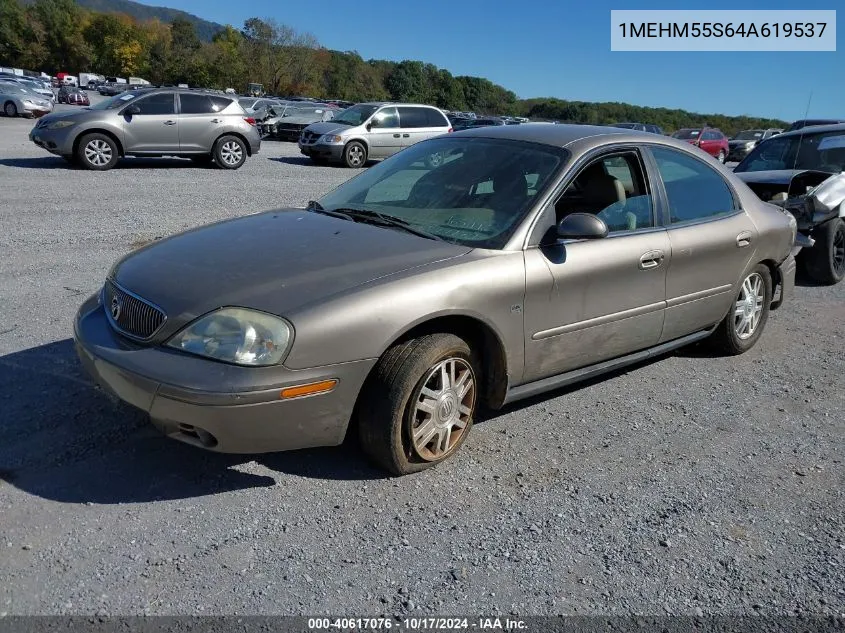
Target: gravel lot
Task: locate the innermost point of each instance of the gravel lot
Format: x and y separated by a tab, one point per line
688	485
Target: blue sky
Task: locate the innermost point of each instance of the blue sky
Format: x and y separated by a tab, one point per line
561	48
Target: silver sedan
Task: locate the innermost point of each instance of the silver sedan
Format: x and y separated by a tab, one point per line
20	101
473	269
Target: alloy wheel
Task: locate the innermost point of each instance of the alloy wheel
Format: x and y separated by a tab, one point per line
443	409
839	250
231	153
749	306
98	152
356	155
11	110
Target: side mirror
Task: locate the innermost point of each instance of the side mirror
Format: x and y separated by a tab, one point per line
371	124
133	110
581	226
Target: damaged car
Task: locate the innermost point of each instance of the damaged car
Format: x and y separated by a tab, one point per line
802	171
286	122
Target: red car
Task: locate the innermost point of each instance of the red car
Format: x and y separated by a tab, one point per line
72	96
710	139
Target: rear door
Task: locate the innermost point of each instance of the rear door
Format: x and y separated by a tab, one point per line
384	136
200	120
712	242
154	127
419	124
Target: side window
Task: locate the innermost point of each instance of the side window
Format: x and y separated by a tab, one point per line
614	188
387	117
161	103
413	117
695	190
218	104
194	104
435	118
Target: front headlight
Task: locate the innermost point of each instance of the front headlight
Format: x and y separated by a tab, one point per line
330	138
237	335
750	145
58	125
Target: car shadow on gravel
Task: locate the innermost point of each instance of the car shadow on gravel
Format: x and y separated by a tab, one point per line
304	161
42	162
65	440
130	162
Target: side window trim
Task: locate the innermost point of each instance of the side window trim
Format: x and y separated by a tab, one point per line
664	197
145	97
545	208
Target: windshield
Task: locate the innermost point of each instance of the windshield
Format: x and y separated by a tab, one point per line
355	115
247	103
749	135
471	191
117	101
686	134
823	151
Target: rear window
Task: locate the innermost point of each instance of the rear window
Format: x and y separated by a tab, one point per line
413	117
686	134
202	104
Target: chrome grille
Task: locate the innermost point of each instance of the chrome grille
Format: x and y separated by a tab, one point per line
130	314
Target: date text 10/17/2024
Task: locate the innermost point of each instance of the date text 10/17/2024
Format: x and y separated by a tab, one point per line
417	624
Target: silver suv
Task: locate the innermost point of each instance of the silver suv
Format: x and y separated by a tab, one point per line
371	130
204	126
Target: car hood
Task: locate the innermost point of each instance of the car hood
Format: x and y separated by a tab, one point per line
769	177
276	261
328	127
733	142
296	120
80	114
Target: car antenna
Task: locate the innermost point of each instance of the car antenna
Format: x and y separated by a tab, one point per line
801	137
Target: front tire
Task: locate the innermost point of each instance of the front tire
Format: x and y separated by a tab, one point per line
10	109
355	155
229	152
97	152
418	406
824	263
744	323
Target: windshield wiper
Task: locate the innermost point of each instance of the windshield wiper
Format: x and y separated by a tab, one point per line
374	217
316	207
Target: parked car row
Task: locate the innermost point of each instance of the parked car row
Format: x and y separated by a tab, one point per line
18	100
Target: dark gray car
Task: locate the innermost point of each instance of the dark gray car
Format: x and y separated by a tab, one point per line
204	126
527	258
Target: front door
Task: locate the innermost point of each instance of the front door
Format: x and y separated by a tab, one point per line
592	300
384	137
150	124
712	240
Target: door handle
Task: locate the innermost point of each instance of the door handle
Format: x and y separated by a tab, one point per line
744	239
170	122
215	121
651	259
406	135
396	136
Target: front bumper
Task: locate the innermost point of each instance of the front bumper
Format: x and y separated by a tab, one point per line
322	150
55	141
738	153
214	405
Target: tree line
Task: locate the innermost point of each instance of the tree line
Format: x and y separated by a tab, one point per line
59	35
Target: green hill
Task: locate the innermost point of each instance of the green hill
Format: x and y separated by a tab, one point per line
205	29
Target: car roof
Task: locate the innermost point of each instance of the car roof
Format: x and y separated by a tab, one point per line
813	129
568	134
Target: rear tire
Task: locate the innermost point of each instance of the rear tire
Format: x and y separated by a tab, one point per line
97	152
742	326
354	155
824	263
229	152
417	407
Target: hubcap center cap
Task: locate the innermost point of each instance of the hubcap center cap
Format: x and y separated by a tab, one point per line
749	306
447	409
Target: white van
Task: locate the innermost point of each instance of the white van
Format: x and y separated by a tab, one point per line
372	130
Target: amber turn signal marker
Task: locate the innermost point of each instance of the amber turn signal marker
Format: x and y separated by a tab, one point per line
308	390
